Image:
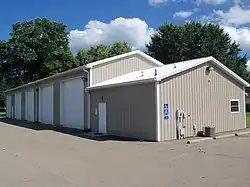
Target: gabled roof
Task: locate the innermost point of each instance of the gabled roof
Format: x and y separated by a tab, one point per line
160	73
137	52
89	66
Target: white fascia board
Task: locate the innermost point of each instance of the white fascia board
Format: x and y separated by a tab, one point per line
176	72
244	108
230	72
47	78
121	84
154	61
90	65
218	64
157	108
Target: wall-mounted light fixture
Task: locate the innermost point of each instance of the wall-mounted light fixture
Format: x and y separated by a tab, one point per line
209	69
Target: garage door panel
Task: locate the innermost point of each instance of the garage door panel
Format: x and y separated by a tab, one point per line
29	105
46	114
18	106
8	106
72	103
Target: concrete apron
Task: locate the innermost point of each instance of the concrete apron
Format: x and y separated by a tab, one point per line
218	137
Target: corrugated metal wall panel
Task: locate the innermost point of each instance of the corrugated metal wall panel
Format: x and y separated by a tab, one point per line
119	67
131	110
207	103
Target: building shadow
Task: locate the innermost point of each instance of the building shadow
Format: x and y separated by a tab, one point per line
85	134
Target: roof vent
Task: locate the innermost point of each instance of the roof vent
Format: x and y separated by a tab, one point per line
174	66
155	72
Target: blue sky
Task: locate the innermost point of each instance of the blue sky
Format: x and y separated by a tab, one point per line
97	21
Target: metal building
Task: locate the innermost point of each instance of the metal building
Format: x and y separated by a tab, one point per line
169	102
61	99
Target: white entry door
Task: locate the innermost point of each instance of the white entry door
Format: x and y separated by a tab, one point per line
29	105
102	118
46	104
72	103
18	106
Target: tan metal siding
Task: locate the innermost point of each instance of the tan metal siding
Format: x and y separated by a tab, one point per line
119	67
207	103
130	111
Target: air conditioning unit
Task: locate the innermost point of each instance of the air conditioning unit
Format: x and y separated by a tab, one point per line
209	131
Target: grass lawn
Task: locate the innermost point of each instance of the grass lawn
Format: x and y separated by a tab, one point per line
248	119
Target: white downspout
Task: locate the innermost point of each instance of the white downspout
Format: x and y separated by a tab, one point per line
89	75
244	107
158	122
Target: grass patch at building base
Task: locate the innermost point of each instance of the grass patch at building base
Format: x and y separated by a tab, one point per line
248	119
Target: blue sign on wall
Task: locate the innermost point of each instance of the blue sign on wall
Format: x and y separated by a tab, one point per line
166	112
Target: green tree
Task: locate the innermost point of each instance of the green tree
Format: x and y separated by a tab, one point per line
101	52
82	57
36	48
98	53
173	43
119	48
4	69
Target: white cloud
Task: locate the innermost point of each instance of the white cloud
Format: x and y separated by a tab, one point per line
248	65
157	2
183	14
240	35
235	22
234	16
132	30
213	2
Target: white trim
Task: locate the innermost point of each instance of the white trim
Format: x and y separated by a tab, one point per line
90	77
158	122
217	63
121	84
90	74
154	61
45	79
238	106
244	108
230	72
90	65
159	78
70	79
45	85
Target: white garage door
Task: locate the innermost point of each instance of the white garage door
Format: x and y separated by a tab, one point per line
18	106
8	106
46	110
72	103
29	105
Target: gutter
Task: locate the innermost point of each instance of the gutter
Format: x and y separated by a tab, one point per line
45	79
121	84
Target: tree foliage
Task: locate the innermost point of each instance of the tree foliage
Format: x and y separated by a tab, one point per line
39	48
173	43
101	52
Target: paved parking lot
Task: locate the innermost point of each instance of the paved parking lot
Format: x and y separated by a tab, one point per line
42	158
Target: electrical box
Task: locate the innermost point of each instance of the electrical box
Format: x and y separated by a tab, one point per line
180	114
